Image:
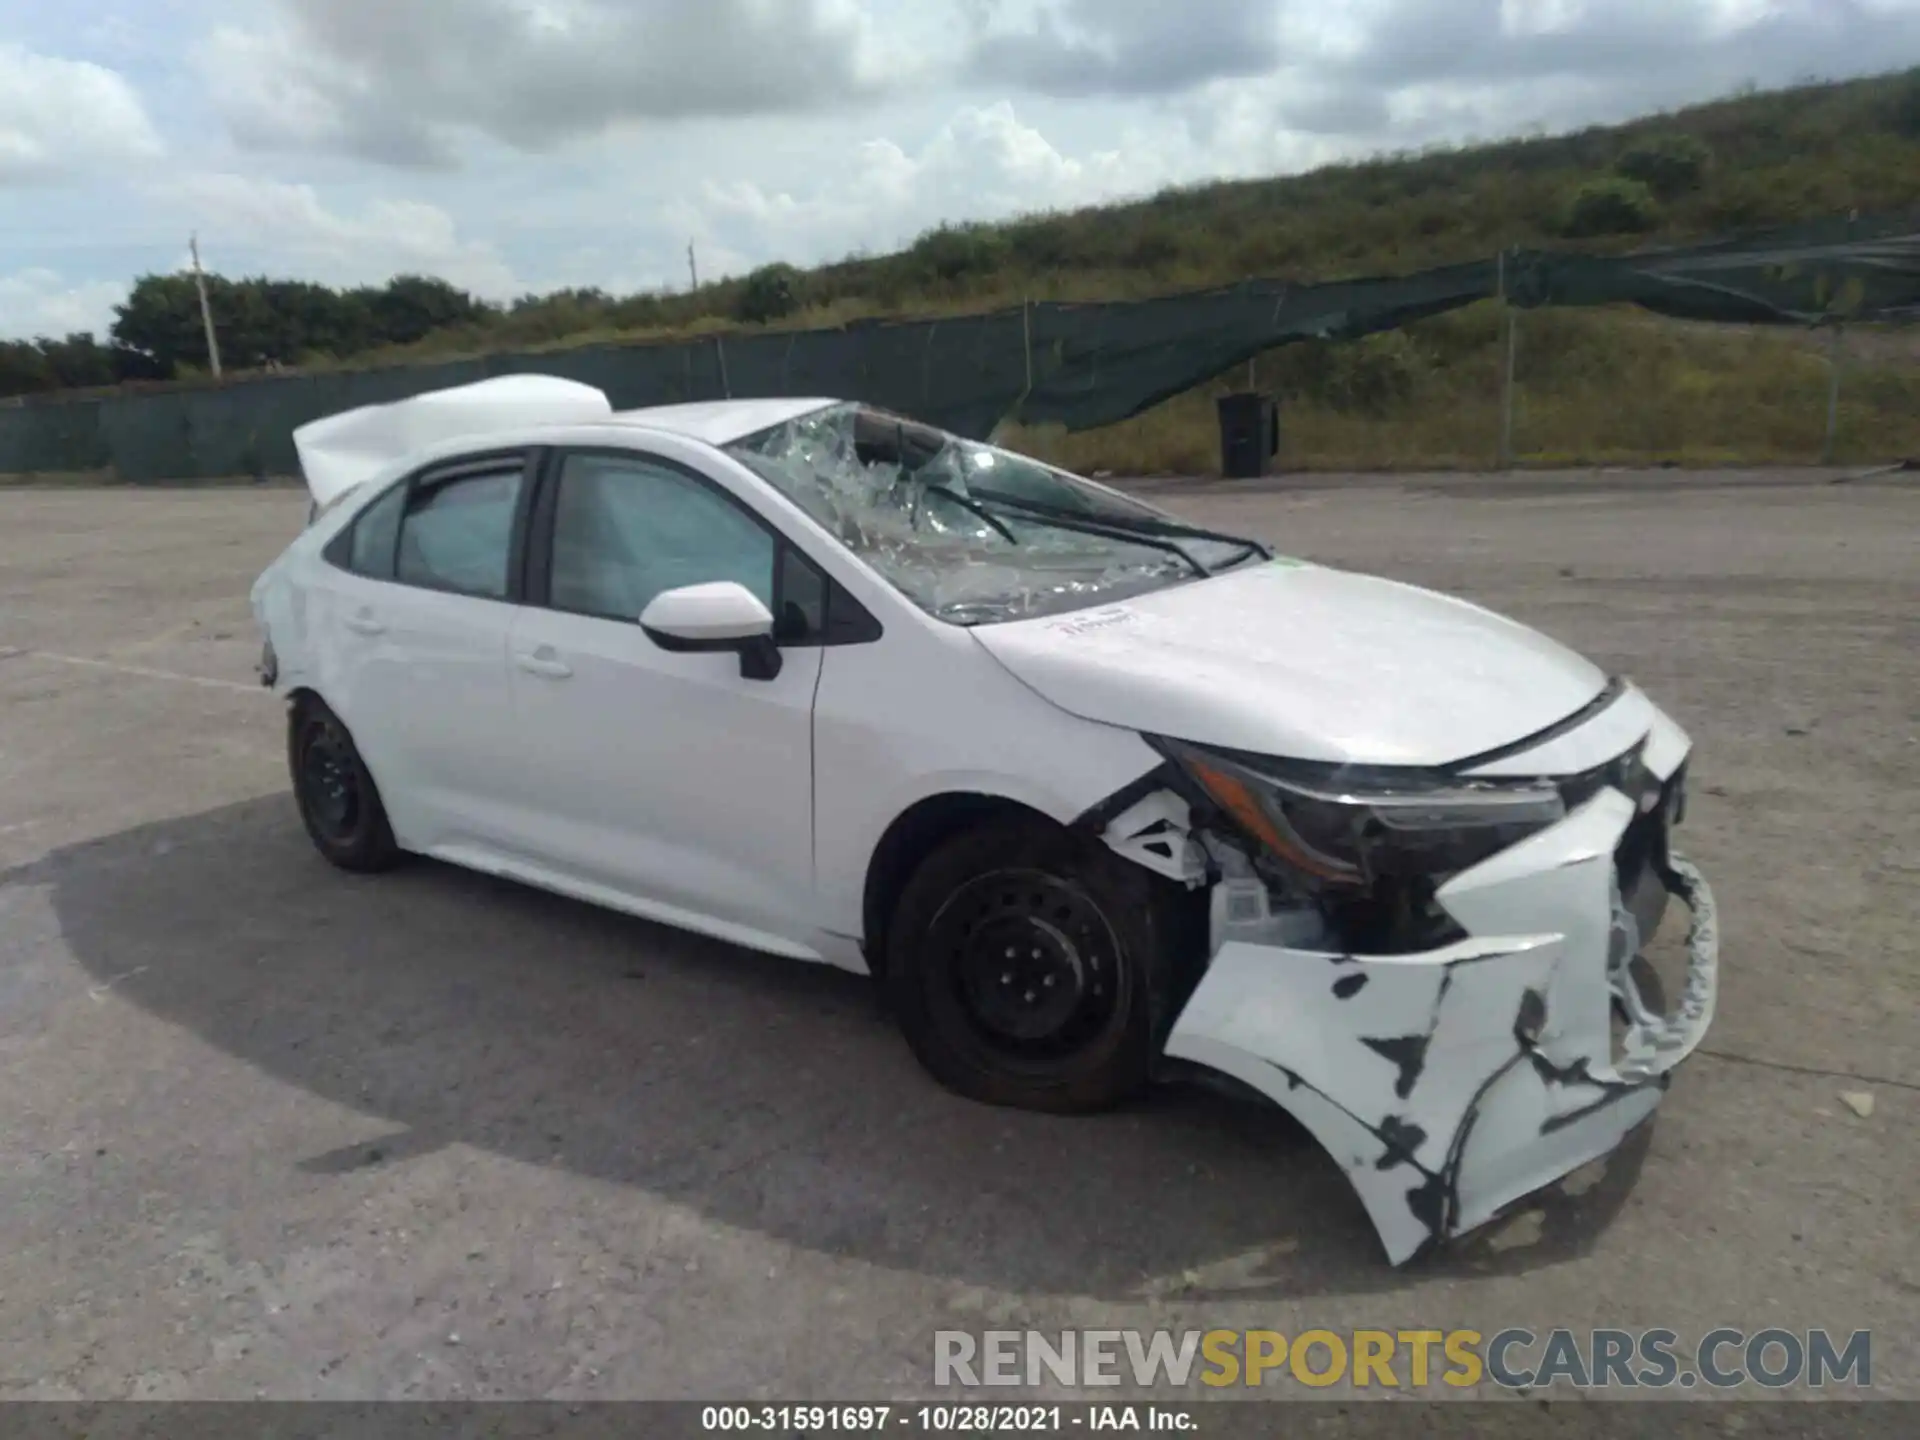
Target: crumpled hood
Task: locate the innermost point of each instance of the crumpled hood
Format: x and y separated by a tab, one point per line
1306	662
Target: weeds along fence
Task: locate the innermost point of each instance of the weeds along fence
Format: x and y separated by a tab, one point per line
1077	367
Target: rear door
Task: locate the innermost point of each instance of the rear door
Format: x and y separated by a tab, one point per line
668	776
422	591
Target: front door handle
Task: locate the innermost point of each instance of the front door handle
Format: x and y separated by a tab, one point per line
363	621
544	663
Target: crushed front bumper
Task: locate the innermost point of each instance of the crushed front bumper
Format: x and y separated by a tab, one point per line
1451	1083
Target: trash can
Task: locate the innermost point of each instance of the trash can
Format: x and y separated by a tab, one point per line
1249	434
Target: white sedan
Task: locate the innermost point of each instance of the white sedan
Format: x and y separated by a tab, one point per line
1095	794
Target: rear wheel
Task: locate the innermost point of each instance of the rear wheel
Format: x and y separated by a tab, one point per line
1025	965
339	803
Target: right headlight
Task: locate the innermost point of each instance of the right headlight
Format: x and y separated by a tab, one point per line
1350	826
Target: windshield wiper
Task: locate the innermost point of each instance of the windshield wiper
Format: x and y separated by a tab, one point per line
1069	520
972	507
1063	519
1145	525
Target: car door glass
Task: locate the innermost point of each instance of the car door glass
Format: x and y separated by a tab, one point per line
625	529
457	535
375	534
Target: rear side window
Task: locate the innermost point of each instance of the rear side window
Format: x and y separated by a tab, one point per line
457	535
376	535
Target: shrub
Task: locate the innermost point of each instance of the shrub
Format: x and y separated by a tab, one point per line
1612	206
955	252
770	293
1367	377
1668	165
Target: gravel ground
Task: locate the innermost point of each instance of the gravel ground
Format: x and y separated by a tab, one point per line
271	1130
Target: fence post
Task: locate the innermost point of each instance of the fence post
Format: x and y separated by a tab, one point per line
1506	383
720	350
1835	353
1026	338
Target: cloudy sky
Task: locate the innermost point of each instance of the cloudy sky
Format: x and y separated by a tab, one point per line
515	145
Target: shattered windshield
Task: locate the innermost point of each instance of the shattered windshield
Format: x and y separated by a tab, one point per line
971	533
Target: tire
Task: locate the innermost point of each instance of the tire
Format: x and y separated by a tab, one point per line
983	923
339	803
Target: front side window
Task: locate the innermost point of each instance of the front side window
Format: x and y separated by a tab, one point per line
458	534
625	529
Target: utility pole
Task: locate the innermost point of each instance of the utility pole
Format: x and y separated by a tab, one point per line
693	273
206	310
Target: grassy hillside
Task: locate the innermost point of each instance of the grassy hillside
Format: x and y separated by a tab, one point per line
1594	385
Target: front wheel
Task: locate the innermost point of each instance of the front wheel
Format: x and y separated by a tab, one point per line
1025	965
339	803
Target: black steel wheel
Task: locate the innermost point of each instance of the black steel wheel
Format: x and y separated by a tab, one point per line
1034	967
1023	965
339	803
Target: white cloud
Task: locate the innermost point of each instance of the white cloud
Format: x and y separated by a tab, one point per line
584	142
1148	47
58	117
414	82
39	302
249	224
983	163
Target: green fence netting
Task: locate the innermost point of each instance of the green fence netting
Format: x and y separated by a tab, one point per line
1075	365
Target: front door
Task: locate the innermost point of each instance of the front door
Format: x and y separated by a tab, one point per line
668	776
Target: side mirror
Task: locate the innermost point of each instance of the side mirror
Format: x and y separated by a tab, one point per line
722	615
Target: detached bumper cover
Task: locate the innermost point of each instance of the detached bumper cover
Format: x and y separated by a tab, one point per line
1452	1083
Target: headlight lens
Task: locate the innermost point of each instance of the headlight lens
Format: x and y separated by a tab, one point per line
1350	826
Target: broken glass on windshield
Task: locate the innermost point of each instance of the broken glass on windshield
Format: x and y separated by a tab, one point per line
971	533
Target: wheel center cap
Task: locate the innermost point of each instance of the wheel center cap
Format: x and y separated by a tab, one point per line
1027	977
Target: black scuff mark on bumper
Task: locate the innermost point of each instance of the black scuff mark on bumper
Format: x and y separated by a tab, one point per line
1408	1053
1613	1096
1403	1140
1348	986
1435	1202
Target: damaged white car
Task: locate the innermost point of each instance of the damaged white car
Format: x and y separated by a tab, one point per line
1092	791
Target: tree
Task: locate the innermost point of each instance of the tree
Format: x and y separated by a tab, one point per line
1614	205
1668	165
160	319
770	293
411	307
78	362
23	368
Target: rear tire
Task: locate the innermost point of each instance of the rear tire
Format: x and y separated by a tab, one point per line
1027	966
339	803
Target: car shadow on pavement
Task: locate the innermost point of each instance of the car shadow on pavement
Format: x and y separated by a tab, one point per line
762	1093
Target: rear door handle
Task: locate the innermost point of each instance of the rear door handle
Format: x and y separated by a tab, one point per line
544	663
363	622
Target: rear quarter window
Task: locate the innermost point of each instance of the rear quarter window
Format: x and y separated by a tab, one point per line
368	543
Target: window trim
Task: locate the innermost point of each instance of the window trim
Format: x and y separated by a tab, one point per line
858	627
432	476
